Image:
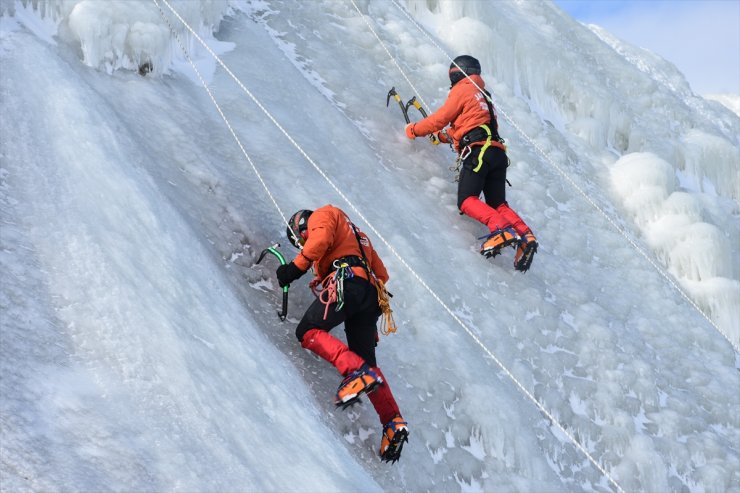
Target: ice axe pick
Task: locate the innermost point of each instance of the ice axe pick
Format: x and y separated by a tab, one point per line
274	250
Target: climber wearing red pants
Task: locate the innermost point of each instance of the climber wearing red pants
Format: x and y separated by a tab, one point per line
348	268
473	131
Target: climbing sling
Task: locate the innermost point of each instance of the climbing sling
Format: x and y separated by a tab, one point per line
332	290
387	324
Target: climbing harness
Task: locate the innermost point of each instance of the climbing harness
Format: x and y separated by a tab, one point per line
464	153
482	134
332	287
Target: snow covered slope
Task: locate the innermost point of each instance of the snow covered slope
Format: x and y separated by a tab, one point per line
140	346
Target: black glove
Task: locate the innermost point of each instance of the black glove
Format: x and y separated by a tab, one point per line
288	273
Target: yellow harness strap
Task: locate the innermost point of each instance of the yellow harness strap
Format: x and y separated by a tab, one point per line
484	148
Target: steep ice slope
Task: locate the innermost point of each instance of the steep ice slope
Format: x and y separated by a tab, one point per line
128	361
592	331
591	305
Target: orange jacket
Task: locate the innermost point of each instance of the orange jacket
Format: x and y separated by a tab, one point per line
465	109
330	236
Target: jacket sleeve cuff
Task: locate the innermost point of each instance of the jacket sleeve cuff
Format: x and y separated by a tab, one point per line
302	262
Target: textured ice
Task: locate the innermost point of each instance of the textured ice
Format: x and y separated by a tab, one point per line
140	345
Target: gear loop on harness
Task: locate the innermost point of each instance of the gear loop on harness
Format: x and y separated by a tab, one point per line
332	287
461	157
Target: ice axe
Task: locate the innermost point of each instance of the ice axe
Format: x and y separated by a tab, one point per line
405	109
416	104
392	93
274	250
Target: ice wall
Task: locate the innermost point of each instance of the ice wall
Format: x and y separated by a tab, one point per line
698	253
126	34
673	156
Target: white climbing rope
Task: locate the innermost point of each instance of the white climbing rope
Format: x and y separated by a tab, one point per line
218	108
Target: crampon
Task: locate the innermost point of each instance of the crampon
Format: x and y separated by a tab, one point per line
495	242
395	434
525	252
362	381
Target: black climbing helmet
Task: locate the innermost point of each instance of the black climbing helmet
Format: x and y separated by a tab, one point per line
467	63
297	227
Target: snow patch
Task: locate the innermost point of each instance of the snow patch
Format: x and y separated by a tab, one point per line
698	253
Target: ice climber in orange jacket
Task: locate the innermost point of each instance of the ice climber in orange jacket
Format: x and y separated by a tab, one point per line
348	268
473	132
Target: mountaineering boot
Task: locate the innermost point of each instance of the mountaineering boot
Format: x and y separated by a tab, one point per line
525	252
498	240
361	381
395	434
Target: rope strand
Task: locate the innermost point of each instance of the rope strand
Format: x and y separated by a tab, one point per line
387	324
213	99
